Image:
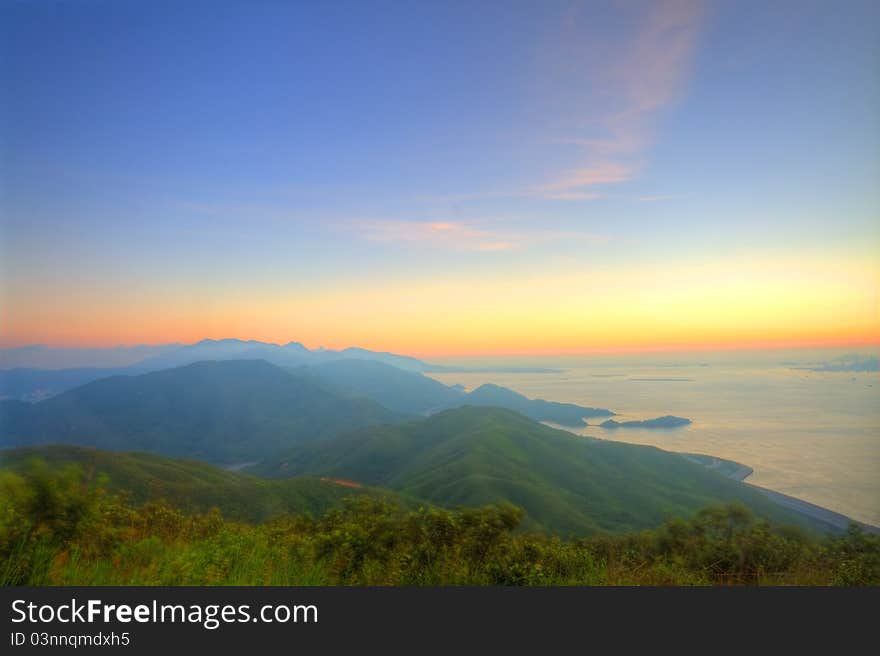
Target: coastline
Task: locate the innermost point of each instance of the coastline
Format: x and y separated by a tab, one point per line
740	472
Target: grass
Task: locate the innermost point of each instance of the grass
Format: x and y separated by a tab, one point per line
57	528
189	485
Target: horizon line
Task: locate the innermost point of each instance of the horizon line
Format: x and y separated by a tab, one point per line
594	350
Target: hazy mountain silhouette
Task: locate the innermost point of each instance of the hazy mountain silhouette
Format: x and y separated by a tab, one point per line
566	414
29	383
215	411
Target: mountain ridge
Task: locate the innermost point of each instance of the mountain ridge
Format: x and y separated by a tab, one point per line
567	484
214	411
33	383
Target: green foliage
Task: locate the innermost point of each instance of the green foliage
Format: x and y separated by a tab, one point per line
57	527
854	557
190	485
567	484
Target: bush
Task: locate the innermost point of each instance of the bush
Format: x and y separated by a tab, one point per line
59	529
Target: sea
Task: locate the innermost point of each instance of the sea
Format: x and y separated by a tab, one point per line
806	421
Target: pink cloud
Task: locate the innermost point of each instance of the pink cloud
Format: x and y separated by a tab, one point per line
627	85
456	235
597	174
488	236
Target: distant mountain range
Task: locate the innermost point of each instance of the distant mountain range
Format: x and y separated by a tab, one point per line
286	355
34	373
413	393
42	380
364	422
227	411
39	356
25	384
391	380
565	414
397	389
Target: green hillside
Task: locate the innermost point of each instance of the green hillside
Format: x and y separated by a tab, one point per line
189	485
411	392
567	484
67	525
401	391
216	411
565	414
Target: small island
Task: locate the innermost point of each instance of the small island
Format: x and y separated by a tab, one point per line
660	422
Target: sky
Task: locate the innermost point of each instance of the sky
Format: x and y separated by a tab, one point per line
441	178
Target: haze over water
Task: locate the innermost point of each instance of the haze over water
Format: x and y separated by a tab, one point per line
814	435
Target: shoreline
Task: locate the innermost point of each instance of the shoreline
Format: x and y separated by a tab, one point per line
740	472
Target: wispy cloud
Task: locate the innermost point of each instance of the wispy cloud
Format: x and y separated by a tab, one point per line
487	236
560	193
637	79
455	235
596	174
599	97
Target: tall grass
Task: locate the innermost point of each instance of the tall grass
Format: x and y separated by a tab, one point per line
56	528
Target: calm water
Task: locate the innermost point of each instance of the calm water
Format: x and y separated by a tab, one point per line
813	435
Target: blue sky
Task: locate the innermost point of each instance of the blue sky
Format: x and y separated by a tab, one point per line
202	154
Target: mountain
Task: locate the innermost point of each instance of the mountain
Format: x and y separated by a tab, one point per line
288	355
194	486
291	354
413	393
27	383
238	410
667	421
567	484
401	390
396	389
565	414
404	362
38	356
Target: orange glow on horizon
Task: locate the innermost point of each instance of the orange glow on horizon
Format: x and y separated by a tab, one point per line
872	341
709	305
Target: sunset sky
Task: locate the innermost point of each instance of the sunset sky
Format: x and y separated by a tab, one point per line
441	178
